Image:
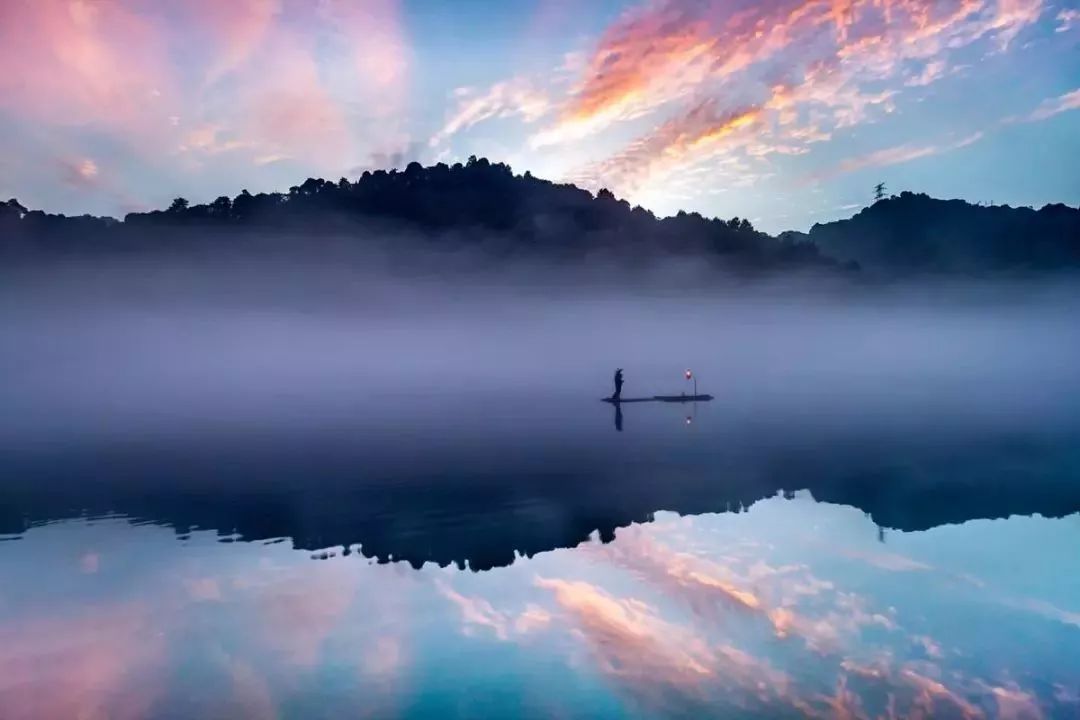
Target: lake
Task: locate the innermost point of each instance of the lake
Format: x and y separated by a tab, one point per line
425	510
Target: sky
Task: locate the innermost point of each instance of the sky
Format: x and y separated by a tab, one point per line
786	112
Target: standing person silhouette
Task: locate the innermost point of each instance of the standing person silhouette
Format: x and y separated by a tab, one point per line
618	385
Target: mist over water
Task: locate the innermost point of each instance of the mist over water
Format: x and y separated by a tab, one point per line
190	345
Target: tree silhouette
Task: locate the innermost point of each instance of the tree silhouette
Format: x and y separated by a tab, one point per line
879	192
484	206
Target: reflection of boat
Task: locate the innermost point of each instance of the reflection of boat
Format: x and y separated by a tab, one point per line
661	398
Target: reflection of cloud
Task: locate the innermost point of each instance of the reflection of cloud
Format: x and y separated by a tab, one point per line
1015	704
89	563
1046	610
883	560
251	696
932	692
476	612
748	588
652	657
628	638
384	657
100	663
534	618
203	589
299	615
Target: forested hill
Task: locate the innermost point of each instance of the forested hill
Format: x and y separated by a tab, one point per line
478	204
484	206
913	232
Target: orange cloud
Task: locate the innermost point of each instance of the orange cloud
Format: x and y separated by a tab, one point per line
701	132
629	639
836	55
665	52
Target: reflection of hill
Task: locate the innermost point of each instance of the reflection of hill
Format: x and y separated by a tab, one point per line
916	232
482	510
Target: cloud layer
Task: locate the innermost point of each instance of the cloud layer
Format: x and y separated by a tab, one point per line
676	99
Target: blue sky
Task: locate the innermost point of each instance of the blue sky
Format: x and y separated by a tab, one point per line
783	111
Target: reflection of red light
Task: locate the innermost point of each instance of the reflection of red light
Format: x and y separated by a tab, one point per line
689	374
689	420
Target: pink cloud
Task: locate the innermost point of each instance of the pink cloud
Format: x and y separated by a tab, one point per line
235	30
100	662
299	616
73	62
931	72
251	697
265	78
476	612
896	156
703	131
629	639
844	64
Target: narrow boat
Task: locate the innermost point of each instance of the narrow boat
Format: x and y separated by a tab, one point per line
682	398
660	398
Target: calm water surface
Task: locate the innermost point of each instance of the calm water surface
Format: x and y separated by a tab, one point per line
286	577
274	515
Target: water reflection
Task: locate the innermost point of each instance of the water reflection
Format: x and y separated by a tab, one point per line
531	474
791	609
